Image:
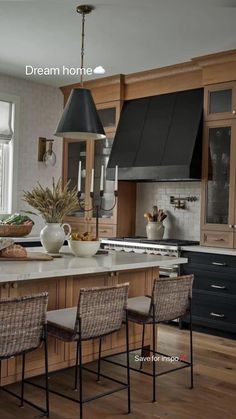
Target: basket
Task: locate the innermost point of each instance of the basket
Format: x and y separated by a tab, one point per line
21	230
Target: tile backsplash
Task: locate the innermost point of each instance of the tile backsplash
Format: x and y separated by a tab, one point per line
181	224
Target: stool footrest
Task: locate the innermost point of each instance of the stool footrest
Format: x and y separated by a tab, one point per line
25	400
122	384
187	364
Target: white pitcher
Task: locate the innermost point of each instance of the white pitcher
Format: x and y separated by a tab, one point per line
53	235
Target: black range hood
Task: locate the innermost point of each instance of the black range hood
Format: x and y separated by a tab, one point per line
159	138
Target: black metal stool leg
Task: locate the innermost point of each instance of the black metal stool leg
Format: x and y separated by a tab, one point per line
80	382
80	373
76	366
191	344
46	371
22	381
99	360
142	352
153	361
128	369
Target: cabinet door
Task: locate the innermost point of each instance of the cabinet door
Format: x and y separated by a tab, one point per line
109	114
219	176
220	101
101	152
75	151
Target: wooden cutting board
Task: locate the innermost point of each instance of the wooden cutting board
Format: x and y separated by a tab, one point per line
31	256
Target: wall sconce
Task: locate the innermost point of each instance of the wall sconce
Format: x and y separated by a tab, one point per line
46	153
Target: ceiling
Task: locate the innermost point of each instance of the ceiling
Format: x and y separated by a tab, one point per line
123	36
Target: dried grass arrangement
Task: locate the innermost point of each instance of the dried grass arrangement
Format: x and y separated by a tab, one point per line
52	204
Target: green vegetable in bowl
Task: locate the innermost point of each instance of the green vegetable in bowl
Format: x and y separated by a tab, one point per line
17	219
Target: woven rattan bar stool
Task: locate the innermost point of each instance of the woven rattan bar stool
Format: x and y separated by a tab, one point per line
22	330
170	299
99	313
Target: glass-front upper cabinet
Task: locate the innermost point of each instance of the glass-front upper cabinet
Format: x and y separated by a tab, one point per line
219	176
102	149
75	151
109	115
220	101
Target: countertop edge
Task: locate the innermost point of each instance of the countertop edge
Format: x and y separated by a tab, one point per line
77	271
213	250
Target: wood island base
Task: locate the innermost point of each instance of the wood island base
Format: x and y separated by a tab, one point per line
64	292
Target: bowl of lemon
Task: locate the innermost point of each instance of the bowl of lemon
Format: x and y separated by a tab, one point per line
83	245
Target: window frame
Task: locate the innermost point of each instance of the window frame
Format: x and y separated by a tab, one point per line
12	161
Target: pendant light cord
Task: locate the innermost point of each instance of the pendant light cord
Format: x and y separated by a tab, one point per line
82	51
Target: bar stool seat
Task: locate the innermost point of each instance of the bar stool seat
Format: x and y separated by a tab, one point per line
61	323
138	309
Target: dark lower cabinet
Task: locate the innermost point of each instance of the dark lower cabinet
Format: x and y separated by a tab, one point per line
214	291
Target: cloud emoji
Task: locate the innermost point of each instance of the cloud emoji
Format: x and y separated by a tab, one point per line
99	70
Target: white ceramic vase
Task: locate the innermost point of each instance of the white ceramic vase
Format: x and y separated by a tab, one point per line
53	235
155	230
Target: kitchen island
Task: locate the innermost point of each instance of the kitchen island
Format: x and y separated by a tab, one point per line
62	278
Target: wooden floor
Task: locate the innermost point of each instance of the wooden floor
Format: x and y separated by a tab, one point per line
214	395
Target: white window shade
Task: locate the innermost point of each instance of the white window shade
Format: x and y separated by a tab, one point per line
6	132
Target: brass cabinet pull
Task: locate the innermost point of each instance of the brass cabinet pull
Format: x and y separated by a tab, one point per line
14	285
217	315
220	287
231	226
233	112
103	231
219	263
219	240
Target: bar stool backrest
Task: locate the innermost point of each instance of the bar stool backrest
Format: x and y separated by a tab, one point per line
100	310
171	297
22	322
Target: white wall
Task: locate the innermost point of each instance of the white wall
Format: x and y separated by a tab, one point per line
40	109
181	224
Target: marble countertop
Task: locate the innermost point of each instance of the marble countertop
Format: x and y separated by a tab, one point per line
215	250
26	239
69	265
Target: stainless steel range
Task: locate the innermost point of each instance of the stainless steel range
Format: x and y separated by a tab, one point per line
165	247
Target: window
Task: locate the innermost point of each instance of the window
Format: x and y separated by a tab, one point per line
7	119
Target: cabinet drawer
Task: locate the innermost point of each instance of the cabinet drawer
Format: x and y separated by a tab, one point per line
218	309
217	239
103	230
214	282
224	264
78	225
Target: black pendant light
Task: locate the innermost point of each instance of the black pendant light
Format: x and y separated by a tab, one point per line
80	119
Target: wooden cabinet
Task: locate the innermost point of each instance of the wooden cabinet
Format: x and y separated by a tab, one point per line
218	184
220	101
109	114
114	220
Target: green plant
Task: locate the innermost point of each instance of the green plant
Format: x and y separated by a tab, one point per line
52	204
